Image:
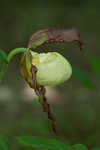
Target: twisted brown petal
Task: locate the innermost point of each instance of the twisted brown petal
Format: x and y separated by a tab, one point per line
40	91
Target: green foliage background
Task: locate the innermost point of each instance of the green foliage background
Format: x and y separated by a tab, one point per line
78	111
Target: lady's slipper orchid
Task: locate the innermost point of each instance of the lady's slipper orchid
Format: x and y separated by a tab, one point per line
47	69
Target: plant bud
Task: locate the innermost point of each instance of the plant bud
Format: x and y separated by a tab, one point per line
53	68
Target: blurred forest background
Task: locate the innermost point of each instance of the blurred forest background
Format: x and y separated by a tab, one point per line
76	103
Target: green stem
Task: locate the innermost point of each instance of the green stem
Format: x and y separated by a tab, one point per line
14	52
9	57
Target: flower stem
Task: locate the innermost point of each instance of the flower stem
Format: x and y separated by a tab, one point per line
14	52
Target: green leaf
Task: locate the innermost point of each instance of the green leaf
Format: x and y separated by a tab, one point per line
3	56
4	144
95	64
98	148
83	77
3	69
44	143
79	147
